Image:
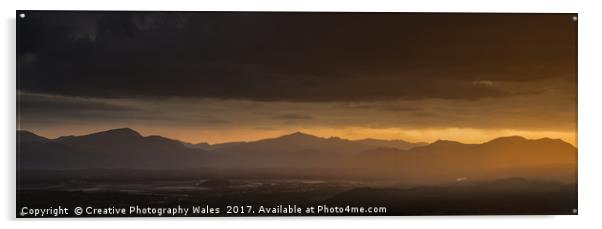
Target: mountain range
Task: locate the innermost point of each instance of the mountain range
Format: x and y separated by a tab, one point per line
418	162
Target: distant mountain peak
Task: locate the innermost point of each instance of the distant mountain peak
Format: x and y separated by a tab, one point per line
551	140
24	132
27	136
446	142
515	138
123	131
298	134
120	132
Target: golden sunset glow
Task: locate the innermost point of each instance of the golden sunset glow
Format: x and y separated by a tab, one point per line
466	135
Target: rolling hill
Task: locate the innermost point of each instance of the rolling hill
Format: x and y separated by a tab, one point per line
414	162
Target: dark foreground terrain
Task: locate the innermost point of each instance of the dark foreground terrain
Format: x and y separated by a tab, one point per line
231	196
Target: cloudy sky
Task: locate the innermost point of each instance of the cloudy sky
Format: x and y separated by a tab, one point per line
217	77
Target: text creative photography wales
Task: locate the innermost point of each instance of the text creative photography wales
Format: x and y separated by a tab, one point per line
236	114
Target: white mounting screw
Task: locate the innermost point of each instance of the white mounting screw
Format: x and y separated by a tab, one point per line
22	15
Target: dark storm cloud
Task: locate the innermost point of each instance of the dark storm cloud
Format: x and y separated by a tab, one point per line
38	107
293	56
53	104
43	108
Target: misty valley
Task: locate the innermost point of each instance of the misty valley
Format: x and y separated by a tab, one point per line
120	168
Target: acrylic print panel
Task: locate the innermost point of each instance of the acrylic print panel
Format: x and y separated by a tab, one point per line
137	114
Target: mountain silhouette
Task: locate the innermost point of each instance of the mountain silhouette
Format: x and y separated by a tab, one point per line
26	136
118	148
447	160
300	142
440	161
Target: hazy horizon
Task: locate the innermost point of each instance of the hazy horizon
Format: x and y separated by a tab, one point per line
291	133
